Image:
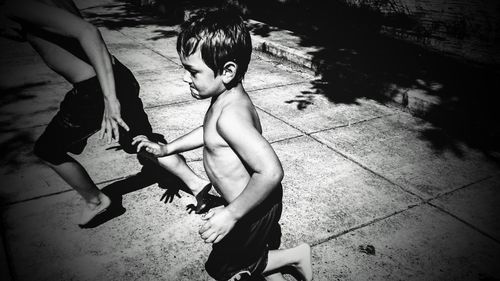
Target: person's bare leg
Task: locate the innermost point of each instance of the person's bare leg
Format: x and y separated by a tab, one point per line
299	257
176	165
77	177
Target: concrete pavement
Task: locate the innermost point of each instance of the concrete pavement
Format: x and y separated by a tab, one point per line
365	183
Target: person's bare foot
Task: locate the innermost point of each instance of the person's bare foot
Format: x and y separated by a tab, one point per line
91	210
304	266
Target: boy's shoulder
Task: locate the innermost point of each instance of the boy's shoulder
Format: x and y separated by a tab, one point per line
238	114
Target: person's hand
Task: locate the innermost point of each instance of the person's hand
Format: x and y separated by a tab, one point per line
219	222
111	120
151	147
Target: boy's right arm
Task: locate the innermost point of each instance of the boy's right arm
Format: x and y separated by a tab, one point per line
189	141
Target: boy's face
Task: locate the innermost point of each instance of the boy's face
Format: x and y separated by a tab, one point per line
202	82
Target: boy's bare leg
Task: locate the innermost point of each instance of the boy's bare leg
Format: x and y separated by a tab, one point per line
176	165
299	257
77	177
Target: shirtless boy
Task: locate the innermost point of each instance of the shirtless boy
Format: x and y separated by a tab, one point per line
215	49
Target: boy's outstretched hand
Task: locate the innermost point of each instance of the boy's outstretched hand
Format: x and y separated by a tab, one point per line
151	147
219	222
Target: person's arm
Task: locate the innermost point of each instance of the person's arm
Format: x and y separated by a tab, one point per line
62	22
260	158
189	141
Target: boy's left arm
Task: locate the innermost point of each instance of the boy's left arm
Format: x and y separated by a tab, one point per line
260	158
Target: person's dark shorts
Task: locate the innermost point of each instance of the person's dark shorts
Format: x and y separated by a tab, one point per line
80	116
244	250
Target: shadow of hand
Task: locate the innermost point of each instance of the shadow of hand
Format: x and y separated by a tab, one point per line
169	195
191	208
212	201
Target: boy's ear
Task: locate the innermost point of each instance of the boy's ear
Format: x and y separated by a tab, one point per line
229	72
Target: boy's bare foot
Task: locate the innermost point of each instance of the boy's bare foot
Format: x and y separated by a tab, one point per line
91	210
304	266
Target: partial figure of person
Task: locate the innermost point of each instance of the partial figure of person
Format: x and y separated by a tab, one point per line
104	97
215	49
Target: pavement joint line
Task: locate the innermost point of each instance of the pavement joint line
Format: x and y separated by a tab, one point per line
368	168
133	38
465	222
270	114
57	192
345	156
286	139
170	104
334	236
350	124
8	204
71	189
278	86
461	187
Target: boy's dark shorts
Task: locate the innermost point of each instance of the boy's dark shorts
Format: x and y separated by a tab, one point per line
245	249
80	116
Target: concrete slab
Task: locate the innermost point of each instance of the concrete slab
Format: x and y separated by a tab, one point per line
421	243
159	37
161	248
137	57
266	73
406	151
163	87
325	194
300	106
476	205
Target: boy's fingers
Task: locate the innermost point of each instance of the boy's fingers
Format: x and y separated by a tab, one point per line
203	228
139	146
208	215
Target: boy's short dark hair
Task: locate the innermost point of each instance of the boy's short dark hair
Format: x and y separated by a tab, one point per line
221	35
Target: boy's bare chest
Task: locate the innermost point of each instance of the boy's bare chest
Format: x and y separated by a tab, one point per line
211	137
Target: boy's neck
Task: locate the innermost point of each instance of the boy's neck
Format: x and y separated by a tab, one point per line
238	88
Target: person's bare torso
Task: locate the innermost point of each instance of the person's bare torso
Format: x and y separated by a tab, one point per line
62	54
223	166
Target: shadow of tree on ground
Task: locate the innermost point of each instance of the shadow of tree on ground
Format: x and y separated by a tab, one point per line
357	61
